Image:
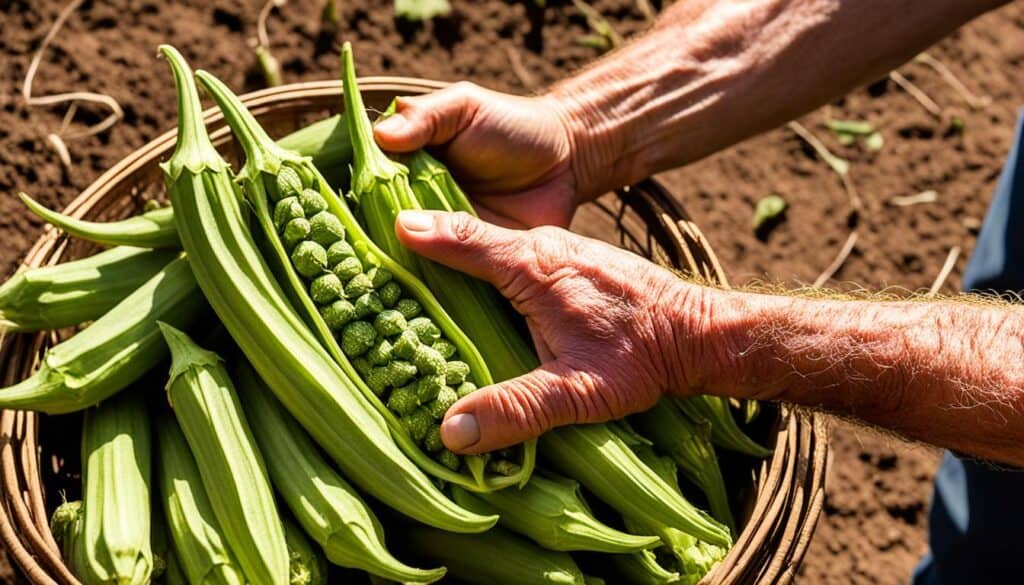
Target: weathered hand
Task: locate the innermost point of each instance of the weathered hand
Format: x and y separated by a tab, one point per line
605	323
512	154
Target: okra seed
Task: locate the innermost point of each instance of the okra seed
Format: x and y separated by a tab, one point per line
338	314
357	338
428	387
377	379
406	344
389	322
428	361
504	467
445	348
286	210
326	228
348	268
465	389
445	399
358	286
389	293
338	251
449	460
362	366
379	276
312	202
380	353
424	328
309	258
432	442
456	372
368	304
401	372
410	308
295	231
403	400
288	182
418	423
326	288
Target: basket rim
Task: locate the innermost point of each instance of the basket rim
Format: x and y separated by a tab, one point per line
792	480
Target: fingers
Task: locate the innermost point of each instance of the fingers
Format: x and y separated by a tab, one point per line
434	118
522	408
462	242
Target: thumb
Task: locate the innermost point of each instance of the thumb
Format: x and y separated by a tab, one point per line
434	118
522	408
462	242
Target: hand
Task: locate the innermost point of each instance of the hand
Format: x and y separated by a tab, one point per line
512	154
605	323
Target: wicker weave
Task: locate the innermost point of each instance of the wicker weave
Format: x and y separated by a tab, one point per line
782	496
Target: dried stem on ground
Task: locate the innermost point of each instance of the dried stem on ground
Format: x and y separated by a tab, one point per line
947	268
974	101
838	262
917	93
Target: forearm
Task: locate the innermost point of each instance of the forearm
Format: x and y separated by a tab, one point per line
950	373
714	72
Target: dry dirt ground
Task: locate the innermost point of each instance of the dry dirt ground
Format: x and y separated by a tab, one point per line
873	526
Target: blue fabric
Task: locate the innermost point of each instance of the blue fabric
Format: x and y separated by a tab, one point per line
977	513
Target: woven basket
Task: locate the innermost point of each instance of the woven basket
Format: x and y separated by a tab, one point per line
779	498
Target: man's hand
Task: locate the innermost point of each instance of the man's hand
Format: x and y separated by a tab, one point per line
512	154
601	319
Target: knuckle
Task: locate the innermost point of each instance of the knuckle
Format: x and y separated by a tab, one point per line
465	228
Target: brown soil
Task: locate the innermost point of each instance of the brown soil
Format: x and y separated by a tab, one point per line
873	526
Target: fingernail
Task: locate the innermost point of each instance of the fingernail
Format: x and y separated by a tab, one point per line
460	431
391	124
416	221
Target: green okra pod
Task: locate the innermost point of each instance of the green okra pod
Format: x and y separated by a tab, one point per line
153	229
724	430
618	473
551	511
207	408
495	557
115	529
199	548
306	566
112	352
174	575
70	293
689	445
245	294
401	349
642	568
326	506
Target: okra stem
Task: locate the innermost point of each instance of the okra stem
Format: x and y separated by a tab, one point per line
153	229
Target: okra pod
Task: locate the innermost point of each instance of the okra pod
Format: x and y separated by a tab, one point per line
689	445
153	229
327	144
115	536
174	575
618	474
724	431
52	297
66	526
208	411
245	294
551	511
199	545
642	568
112	352
370	308
326	506
496	557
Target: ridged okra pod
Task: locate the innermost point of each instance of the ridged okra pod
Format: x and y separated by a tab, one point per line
624	482
326	506
174	574
70	293
112	352
66	526
306	566
475	305
694	557
642	568
724	430
116	461
689	445
496	557
199	546
245	294
384	328
552	512
153	229
209	413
